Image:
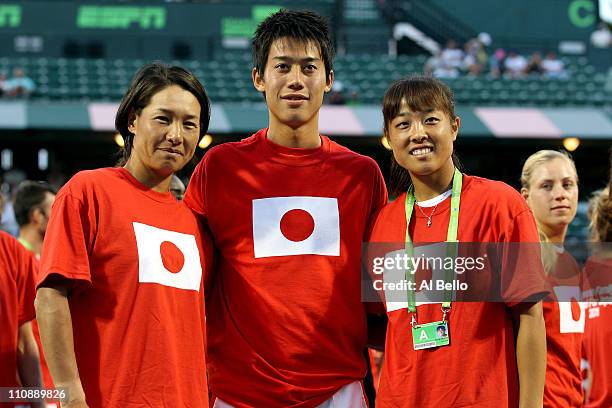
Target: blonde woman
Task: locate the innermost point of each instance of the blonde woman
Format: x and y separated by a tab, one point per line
550	186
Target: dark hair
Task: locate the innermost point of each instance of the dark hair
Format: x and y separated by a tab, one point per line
420	93
302	26
29	196
149	80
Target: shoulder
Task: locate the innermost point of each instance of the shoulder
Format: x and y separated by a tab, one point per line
389	219
346	155
88	181
494	193
11	249
229	148
7	240
220	154
87	177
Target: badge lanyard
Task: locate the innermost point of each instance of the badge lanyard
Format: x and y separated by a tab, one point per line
451	236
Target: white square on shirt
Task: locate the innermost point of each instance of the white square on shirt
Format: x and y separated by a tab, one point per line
153	244
273	234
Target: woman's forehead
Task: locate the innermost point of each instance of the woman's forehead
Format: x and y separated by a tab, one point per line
557	168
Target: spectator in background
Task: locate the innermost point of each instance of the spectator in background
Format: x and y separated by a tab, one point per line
515	65
177	188
451	56
32	205
445	71
553	67
12	178
440	67
534	67
354	97
432	63
20	85
475	57
496	63
602	37
2	83
336	95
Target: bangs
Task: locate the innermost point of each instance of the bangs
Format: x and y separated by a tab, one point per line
420	94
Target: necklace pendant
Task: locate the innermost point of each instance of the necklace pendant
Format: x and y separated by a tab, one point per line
428	222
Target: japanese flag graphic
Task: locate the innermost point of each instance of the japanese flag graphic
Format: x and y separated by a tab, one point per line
167	257
296	226
572	312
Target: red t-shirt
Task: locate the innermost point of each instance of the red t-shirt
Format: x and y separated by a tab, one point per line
598	330
46	374
137	258
564	329
286	325
478	368
17	293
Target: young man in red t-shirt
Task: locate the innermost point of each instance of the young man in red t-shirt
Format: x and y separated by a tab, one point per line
19	363
288	209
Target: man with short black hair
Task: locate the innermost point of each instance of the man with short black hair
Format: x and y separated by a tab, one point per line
288	209
32	204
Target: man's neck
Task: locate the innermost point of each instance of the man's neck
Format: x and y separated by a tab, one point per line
432	185
303	137
32	238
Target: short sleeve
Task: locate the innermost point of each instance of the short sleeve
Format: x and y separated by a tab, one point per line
379	199
195	194
69	237
26	285
522	272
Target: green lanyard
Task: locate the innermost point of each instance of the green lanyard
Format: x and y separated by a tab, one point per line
451	236
26	244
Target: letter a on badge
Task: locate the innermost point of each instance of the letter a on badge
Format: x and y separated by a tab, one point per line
423	335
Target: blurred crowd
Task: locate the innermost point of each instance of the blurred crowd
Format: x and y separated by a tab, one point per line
19	85
474	60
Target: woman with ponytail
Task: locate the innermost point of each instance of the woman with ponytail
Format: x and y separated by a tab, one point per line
476	354
550	185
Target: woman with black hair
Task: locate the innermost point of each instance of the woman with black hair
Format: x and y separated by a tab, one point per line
493	353
120	296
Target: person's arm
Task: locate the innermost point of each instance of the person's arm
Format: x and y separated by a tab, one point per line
530	353
28	363
55	324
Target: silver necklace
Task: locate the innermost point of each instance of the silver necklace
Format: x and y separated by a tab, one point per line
428	216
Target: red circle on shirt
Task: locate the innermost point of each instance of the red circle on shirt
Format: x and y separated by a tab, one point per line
576	311
172	257
297	225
